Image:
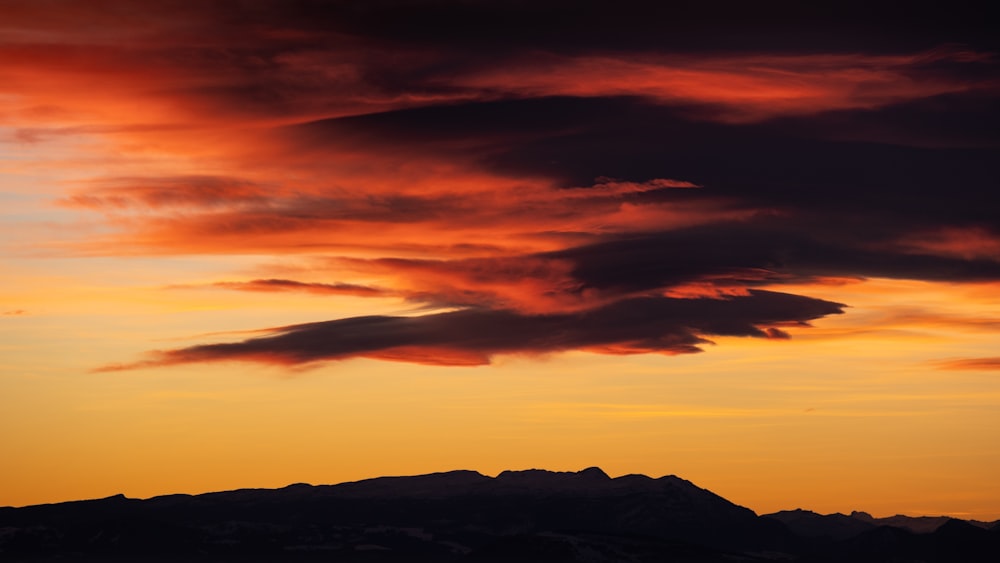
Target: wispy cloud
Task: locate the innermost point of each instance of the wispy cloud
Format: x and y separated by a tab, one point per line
169	193
983	364
274	285
739	87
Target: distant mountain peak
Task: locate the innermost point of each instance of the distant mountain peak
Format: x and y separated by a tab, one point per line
594	472
796	512
589	479
862	516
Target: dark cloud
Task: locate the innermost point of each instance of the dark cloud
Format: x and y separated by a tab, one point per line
717	258
740	250
470	128
805	164
637	24
768	168
473	336
966	120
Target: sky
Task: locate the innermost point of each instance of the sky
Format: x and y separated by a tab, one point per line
248	244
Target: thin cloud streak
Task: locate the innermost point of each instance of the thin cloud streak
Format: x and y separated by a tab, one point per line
276	285
167	193
977	364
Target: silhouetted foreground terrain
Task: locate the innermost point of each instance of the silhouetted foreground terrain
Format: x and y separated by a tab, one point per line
465	516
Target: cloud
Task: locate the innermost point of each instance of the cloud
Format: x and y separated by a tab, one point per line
740	87
956	120
14	313
714	260
528	284
473	336
206	71
157	193
718	259
215	214
768	249
781	164
983	364
274	285
970	243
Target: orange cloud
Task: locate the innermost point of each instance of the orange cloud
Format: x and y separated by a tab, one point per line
531	284
169	193
218	214
970	364
275	285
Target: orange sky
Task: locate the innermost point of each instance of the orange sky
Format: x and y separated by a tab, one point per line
242	248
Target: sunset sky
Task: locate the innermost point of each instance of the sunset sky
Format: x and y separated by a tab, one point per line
253	243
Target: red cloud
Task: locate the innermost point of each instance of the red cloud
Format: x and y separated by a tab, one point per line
970	243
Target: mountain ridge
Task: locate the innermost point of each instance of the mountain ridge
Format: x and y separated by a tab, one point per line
463	515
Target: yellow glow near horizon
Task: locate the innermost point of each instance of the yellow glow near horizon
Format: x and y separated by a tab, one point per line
768	425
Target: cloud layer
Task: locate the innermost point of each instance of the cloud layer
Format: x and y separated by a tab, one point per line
624	181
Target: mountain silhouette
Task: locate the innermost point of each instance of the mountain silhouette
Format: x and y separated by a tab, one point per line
531	515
